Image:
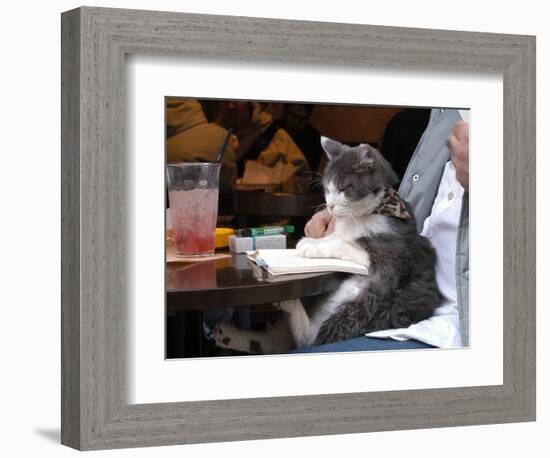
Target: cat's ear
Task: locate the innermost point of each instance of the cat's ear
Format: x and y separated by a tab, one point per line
371	156
366	157
332	147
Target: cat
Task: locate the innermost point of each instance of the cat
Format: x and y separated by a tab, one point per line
372	227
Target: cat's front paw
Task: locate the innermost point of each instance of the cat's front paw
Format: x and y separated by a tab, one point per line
308	248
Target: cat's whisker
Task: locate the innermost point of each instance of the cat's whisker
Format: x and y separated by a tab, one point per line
316	185
349	212
315	181
312	172
318	208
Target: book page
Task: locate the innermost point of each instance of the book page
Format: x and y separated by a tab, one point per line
279	262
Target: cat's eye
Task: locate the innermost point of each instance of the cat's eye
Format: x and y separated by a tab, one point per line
346	188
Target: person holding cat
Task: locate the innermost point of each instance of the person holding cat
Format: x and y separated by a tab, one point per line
436	185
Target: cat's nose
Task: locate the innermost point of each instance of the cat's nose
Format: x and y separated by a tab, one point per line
330	207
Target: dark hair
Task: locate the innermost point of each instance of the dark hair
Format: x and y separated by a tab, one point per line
308	106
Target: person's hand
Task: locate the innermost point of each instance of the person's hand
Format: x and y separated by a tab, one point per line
320	224
459	144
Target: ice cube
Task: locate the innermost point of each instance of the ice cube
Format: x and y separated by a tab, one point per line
188	185
203	184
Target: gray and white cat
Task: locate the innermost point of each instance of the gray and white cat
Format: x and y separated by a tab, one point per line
373	227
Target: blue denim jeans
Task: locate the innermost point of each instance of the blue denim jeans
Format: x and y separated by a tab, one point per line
364	343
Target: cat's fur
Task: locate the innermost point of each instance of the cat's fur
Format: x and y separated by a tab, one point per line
401	286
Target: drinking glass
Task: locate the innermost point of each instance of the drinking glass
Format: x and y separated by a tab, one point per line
193	189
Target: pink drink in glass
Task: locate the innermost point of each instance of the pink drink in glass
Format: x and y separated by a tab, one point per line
193	196
193	214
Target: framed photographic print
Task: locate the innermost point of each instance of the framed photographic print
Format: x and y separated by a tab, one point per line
236	125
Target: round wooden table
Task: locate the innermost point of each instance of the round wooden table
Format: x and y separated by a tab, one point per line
235	281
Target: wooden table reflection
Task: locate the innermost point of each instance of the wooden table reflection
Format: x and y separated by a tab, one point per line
234	282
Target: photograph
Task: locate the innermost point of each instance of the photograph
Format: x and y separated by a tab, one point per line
297	228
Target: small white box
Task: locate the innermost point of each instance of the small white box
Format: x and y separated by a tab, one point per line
243	244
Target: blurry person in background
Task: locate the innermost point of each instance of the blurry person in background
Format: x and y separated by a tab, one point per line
191	138
295	121
260	139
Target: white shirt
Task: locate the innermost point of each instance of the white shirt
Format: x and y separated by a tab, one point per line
442	329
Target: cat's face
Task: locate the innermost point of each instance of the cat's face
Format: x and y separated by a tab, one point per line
355	179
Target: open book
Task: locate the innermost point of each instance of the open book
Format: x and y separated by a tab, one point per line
284	262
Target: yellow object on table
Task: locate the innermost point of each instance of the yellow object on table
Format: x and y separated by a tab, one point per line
222	236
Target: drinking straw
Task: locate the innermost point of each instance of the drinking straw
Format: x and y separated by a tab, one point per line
219	157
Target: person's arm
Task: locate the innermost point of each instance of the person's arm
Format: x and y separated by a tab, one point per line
320	225
459	144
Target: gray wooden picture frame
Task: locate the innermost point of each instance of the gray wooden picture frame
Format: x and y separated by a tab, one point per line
95	41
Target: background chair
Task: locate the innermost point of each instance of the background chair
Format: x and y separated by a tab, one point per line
260	207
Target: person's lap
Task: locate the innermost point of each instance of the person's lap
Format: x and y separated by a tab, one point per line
363	343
